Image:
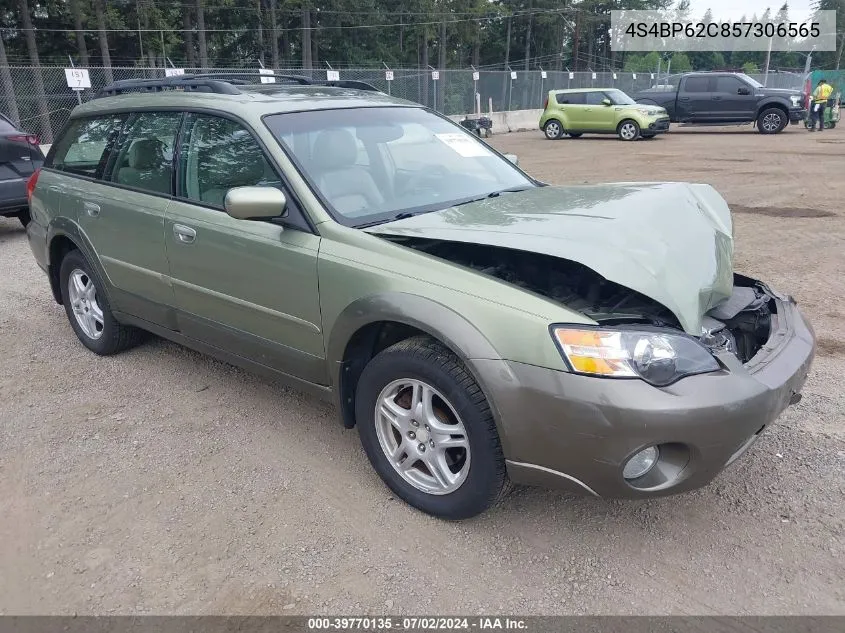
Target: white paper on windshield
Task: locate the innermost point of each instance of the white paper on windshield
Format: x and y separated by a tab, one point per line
464	145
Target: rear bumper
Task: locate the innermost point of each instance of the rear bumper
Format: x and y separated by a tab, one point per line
12	195
577	432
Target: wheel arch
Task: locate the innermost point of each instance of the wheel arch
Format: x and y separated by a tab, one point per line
772	103
371	324
64	236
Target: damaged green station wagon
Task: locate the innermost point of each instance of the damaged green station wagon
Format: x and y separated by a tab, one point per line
477	326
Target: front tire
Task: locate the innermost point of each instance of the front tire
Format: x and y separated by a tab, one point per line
553	129
771	121
628	130
88	310
428	430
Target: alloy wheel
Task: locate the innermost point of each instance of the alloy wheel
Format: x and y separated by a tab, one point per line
628	131
771	122
83	300
552	130
422	436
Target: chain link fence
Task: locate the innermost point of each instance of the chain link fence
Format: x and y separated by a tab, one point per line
453	92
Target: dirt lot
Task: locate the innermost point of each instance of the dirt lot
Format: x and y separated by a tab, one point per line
160	481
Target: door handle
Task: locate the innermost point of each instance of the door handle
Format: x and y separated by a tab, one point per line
184	234
91	208
683	98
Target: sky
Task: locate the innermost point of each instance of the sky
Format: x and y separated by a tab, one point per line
798	9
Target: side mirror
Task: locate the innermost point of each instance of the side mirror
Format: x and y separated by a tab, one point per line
743	91
513	158
607	102
250	203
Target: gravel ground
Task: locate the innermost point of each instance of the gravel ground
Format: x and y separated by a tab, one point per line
160	481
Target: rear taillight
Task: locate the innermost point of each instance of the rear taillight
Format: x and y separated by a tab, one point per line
546	103
32	139
30	185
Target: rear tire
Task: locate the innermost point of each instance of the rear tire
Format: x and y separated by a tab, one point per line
422	377
88	309
553	129
24	217
628	130
771	121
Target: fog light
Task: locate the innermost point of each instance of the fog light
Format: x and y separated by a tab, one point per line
641	463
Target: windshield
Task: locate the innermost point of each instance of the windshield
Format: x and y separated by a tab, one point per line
619	98
371	164
751	80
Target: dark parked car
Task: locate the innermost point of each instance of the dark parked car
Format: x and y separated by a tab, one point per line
726	99
20	156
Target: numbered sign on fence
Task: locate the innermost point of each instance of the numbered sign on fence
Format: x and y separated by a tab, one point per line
475	76
513	74
266	80
173	72
332	75
544	74
633	75
435	75
388	75
594	75
77	78
614	76
652	75
572	75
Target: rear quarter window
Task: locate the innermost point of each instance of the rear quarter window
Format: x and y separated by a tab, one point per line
84	147
570	98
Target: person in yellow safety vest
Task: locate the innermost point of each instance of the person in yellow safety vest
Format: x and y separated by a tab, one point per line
820	96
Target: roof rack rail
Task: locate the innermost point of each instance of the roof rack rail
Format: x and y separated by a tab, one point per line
218	83
299	79
184	82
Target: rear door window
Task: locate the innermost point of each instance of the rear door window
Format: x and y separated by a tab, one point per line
144	157
697	84
570	98
83	149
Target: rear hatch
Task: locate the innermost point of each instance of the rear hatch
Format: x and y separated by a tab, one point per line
20	156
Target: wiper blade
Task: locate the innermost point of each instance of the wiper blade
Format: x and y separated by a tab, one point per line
496	194
492	194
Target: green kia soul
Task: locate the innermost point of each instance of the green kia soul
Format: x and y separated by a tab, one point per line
600	111
477	326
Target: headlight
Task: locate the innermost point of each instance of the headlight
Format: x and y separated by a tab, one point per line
659	358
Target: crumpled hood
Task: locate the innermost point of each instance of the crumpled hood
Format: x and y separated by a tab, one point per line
669	241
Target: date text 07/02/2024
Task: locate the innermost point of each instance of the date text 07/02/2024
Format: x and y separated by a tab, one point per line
416	623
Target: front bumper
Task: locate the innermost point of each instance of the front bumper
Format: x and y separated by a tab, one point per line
797	115
569	431
660	125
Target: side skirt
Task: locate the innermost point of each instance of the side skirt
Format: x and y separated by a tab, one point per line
322	392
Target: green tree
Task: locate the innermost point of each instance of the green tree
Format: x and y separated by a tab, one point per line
680	63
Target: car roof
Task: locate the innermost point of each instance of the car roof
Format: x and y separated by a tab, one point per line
575	90
253	101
